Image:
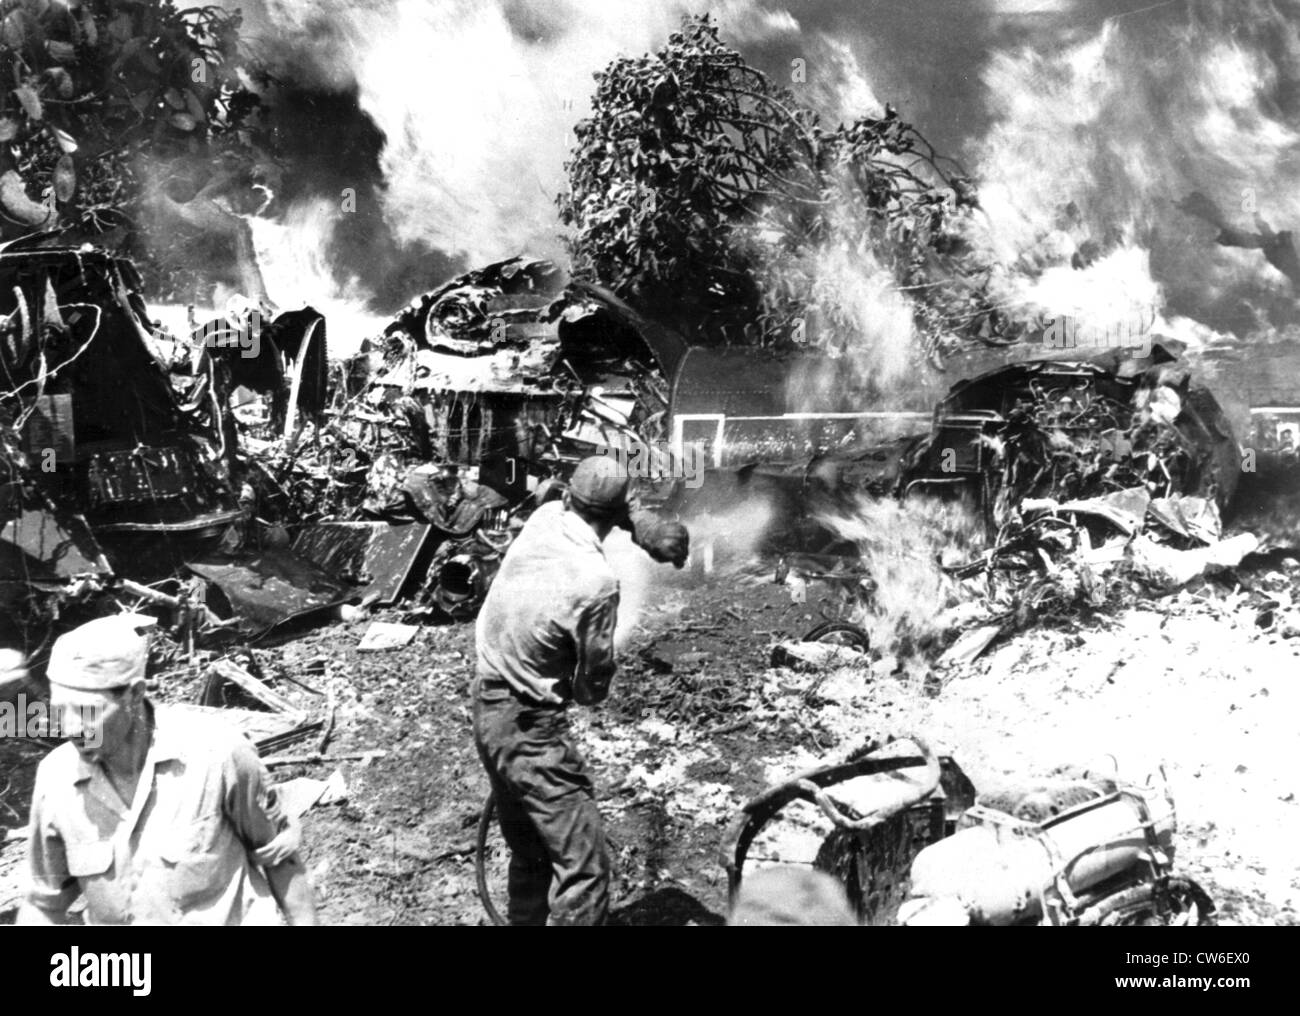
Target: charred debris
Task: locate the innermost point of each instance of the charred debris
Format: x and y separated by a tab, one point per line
238	485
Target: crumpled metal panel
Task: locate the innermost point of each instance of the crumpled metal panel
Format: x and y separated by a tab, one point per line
276	587
379	555
1126	509
37	546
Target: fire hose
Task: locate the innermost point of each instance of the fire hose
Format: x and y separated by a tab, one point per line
806	786
480	859
811	786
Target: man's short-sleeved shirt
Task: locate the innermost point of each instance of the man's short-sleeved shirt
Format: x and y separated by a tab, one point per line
178	853
546	627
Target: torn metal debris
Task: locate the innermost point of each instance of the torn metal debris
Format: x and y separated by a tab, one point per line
275	590
1072	430
105	471
379	557
403	473
913	844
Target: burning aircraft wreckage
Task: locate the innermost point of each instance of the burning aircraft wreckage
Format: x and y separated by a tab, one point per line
989	479
240	487
236	478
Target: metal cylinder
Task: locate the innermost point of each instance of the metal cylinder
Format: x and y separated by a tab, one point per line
1000	872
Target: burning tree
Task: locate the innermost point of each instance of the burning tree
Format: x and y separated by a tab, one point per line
122	115
707	197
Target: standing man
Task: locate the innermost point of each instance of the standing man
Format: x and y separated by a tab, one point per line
157	817
545	637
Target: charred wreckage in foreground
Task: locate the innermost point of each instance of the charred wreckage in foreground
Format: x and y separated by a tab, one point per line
237	485
238	482
148	468
913	844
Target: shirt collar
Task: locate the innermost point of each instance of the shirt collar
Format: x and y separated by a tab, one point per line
575	528
166	745
168	742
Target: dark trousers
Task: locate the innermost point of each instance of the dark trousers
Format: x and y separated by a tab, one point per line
559	867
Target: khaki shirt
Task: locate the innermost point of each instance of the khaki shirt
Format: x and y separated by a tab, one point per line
546	627
178	853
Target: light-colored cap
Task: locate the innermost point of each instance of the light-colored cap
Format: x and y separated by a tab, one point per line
101	655
600	484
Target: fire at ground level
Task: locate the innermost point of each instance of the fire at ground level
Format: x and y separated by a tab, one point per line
1041	575
1193	683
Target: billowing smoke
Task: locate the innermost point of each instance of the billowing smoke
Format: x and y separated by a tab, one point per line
721	539
859	300
448	122
636	579
1095	147
293	254
474	102
1136	164
1086	126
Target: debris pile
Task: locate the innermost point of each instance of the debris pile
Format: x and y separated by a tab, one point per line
501	371
1050	563
1097	484
107	472
1072	430
455	420
1056	561
249	486
307	491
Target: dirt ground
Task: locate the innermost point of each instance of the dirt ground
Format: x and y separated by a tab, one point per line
698	722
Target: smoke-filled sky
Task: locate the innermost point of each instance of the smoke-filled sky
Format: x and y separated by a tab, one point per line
451	118
476	99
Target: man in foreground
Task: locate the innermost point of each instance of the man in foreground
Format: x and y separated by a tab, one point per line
157	817
545	638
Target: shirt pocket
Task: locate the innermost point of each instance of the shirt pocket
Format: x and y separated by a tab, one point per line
88	859
193	862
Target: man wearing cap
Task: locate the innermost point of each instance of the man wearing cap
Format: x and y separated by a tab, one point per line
545	638
666	541
156	816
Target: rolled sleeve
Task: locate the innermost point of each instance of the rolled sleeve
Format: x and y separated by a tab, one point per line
250	801
638	519
50	886
649	529
593	639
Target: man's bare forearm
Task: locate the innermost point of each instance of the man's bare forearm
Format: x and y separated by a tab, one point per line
292	890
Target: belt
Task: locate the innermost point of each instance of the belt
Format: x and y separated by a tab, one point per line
494	683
